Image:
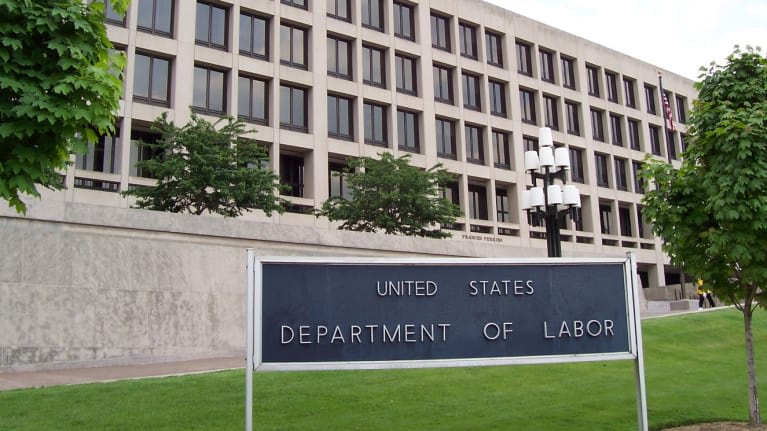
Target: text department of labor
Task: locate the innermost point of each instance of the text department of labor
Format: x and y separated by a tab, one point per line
368	333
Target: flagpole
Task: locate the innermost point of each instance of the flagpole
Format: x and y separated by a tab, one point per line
663	110
683	294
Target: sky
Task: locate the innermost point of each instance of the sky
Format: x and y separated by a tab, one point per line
695	32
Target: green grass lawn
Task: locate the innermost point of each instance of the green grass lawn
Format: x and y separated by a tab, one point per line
695	369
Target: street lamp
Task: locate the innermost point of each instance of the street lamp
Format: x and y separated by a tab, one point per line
552	200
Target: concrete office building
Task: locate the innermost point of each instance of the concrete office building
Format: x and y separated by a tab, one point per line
458	82
84	278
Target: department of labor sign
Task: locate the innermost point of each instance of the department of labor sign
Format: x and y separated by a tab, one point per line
369	311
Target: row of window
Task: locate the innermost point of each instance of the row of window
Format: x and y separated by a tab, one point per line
212	30
151	85
102	157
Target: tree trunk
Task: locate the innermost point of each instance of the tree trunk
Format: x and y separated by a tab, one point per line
754	416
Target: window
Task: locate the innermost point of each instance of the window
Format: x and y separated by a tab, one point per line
293	108
682	142
547	65
471	92
621	179
156	17
140	152
494	48
597	125
209	90
527	102
211	26
497	93
671	143
406	74
404	19
550	112
605	213
373	14
450	193
633	131
254	36
101	156
253	99
502	213
524	58
578	219
530	143
443	84
655	140
468	40
616	129
577	174
375	124
292	175
501	149
339	57
293	43
440	32
446	138
296	3
337	181
629	92
624	217
640	222
340	117
593	76
573	118
611	81
603	175
649	93
407	130
568	72
340	9
474	146
477	202
373	66
638	186
151	82
111	16
681	111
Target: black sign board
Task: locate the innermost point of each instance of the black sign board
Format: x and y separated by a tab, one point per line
453	311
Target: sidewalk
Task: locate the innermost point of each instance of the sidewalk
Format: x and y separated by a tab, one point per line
73	376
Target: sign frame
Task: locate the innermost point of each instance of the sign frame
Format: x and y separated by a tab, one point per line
255	322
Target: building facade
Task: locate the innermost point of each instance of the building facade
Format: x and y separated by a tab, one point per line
459	82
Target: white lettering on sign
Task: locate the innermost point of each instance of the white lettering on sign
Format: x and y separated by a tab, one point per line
369	333
492	330
579	328
500	287
406	288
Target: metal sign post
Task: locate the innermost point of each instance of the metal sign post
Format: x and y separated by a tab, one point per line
337	314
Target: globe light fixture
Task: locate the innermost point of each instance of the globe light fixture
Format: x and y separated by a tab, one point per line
551	200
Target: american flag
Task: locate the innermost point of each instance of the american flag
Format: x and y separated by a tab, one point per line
667	110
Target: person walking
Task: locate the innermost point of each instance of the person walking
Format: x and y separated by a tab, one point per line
710	298
701	295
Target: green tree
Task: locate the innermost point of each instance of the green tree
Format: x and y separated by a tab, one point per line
712	211
390	195
60	86
207	167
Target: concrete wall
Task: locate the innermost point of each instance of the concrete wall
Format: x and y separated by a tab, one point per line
85	284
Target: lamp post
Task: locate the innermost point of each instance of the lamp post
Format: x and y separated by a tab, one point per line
552	200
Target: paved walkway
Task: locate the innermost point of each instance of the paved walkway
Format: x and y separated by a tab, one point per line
72	376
